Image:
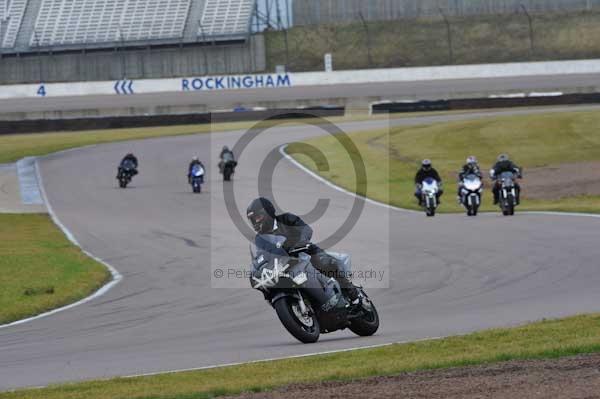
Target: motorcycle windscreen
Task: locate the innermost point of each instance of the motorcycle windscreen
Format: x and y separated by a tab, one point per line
227	157
472	182
268	245
128	165
430	185
197	171
507	178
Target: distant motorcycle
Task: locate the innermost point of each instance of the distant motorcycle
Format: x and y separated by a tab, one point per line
227	166
126	172
508	193
197	178
429	195
471	188
307	302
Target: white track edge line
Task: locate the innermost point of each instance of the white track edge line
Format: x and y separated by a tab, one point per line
396	208
335	186
116	276
329	352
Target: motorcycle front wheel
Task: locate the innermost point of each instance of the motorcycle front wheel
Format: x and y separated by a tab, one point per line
509	208
304	327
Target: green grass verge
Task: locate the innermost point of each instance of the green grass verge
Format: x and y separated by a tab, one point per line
40	269
392	157
545	339
16	146
423	42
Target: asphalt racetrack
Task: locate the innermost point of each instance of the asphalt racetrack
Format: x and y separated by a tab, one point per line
446	275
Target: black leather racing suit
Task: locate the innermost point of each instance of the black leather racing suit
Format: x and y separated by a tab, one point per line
423	174
131	158
299	234
506	166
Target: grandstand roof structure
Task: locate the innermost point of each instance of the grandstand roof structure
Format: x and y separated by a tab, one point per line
34	25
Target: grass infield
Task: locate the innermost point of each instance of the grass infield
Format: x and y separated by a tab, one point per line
391	157
40	269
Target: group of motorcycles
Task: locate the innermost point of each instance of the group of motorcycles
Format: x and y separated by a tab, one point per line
307	302
470	194
128	169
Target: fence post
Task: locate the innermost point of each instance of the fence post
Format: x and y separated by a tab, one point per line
368	37
530	21
280	26
39	55
121	50
449	33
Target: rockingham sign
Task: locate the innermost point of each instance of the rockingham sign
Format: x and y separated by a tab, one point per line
236	82
129	87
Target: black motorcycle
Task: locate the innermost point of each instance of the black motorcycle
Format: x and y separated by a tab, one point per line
229	170
227	166
307	302
126	172
508	193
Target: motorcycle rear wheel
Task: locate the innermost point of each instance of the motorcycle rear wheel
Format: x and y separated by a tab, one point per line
369	324
304	329
227	174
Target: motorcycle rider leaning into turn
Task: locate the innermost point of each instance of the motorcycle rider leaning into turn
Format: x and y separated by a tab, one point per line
470	168
264	220
504	164
128	158
427	171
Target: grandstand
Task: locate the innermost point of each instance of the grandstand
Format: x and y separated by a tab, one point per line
55	25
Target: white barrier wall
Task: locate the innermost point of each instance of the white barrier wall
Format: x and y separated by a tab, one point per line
271	81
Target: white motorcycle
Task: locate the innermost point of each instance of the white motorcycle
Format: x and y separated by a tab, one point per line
471	188
429	195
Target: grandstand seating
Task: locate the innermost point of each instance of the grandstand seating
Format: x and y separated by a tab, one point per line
226	18
11	22
63	22
31	25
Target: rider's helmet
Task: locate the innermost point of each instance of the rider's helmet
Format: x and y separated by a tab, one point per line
195	159
261	214
503	158
225	148
472	160
426	164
